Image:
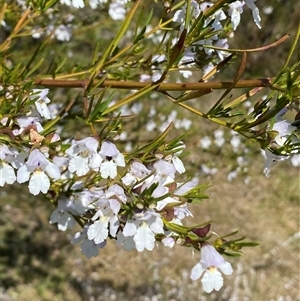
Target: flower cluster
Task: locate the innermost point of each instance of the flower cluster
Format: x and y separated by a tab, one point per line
213	24
135	203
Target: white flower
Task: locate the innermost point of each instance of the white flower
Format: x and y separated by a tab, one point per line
98	231
207	170
63	33
127	242
235	143
219	138
83	154
270	159
284	129
108	207
41	100
179	15
117	192
110	159
7	158
39	168
83	201
175	160
186	187
182	211
88	247
144	238
165	172
208	267
117	11
137	172
28	123
74	3
94	3
159	192
61	215
223	43
143	228
205	142
7	174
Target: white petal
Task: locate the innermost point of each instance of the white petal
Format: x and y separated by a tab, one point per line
183	189
108	169
168	242
95	161
53	171
114	205
7	174
39	182
163	203
119	160
212	279
23	174
225	268
144	238
99	230
235	18
43	109
128	179
164	167
255	11
178	164
128	242
210	257
79	165
65	221
54	217
89	248
160	191
179	15
117	11
129	229
113	226
139	170
77	238
156	225
108	149
90	143
37	159
197	271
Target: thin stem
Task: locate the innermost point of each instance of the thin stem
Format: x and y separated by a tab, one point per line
248	83
282	39
293	47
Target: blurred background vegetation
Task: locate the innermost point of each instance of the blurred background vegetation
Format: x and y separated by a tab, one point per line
38	262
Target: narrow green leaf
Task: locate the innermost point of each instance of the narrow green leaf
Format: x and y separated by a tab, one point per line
99	107
176	228
247	244
131	98
111	48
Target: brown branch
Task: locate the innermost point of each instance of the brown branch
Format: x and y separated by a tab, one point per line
250	83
